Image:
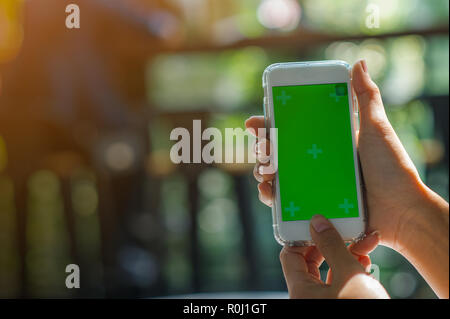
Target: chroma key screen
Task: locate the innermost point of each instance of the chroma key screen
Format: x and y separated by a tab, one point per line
315	154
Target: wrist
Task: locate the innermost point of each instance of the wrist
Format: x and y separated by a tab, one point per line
426	210
424	240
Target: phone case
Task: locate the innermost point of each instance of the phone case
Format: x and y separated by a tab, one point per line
267	119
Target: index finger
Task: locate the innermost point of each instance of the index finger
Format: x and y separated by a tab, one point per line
254	123
330	244
365	245
300	281
293	263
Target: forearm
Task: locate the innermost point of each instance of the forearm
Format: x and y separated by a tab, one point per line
424	241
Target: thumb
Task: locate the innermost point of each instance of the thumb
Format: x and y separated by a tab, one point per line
333	248
368	95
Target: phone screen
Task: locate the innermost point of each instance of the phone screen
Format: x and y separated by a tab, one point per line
316	166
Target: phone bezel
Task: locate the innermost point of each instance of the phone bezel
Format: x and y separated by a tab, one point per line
310	73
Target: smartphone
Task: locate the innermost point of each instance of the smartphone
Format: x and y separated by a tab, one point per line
310	105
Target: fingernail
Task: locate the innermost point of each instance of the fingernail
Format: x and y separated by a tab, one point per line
364	65
251	130
320	223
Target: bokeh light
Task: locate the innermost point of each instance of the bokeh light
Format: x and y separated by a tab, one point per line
11	30
279	14
403	284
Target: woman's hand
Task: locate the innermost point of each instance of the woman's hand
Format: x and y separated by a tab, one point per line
408	216
348	278
393	186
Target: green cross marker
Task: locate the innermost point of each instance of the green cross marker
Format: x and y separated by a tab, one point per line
283	97
292	209
314	151
346	205
335	96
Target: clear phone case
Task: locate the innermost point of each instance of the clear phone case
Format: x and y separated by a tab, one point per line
267	118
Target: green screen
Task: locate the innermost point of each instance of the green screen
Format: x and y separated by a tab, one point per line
315	152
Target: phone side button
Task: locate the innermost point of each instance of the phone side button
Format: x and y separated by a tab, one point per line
266	106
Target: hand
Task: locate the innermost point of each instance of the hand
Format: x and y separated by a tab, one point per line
409	217
393	186
348	278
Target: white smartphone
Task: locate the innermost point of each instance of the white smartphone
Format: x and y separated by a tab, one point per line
310	105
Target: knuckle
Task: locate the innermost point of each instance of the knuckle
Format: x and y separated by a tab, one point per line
373	92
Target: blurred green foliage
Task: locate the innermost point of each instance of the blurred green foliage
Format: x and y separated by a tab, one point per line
227	84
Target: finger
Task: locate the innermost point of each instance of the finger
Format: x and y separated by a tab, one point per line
367	93
365	262
262	150
265	193
329	277
332	247
256	174
261	177
295	268
254	123
314	259
366	245
355	110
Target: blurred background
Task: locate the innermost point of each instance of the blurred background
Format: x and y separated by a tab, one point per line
85	118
